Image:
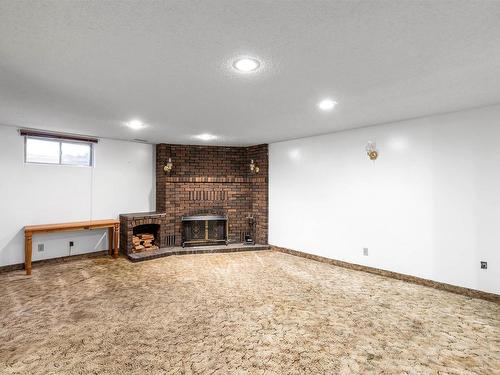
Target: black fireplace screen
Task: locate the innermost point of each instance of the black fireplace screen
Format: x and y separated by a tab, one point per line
204	230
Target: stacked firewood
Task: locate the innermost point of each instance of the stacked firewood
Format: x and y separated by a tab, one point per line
143	242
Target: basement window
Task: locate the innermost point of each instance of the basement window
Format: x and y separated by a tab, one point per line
47	150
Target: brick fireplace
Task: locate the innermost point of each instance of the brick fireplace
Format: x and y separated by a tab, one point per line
213	180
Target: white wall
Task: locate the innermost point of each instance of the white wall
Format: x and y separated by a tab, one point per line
428	207
121	181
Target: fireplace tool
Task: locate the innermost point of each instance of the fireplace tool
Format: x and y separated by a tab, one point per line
250	234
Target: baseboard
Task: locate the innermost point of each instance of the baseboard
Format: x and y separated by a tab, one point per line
20	266
395	275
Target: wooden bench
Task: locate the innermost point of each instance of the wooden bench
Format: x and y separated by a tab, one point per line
113	235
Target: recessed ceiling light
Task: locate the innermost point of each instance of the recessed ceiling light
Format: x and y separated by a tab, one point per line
327	104
246	65
135	124
206	137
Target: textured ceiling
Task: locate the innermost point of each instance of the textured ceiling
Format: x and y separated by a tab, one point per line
87	66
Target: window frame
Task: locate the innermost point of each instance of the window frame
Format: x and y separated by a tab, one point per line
60	142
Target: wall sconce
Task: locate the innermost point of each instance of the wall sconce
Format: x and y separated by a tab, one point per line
371	150
168	166
253	167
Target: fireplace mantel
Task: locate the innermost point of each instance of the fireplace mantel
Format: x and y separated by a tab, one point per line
216	179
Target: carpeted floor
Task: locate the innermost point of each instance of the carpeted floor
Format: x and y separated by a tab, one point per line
237	313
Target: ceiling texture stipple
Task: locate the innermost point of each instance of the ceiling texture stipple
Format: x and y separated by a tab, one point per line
87	67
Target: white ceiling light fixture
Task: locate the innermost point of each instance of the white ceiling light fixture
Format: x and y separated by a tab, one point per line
327	104
246	64
135	124
206	137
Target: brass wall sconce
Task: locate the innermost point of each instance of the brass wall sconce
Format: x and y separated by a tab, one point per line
168	166
371	150
254	167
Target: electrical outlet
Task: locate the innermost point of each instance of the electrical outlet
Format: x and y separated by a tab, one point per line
71	244
484	265
41	247
365	251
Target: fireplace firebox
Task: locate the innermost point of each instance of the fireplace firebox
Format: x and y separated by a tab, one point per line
204	230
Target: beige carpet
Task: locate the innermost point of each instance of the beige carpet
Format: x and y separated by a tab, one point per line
238	313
